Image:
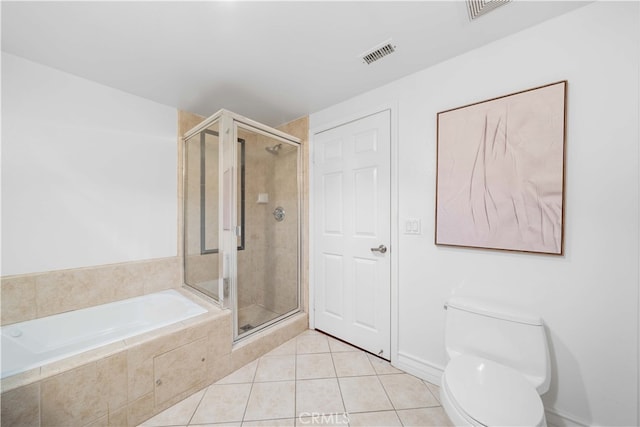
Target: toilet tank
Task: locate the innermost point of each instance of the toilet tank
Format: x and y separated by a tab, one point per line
502	334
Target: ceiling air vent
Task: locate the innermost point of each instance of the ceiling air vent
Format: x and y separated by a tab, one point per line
481	7
378	52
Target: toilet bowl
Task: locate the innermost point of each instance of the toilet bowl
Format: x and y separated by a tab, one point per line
480	392
498	367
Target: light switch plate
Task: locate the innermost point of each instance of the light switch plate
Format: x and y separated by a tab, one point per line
412	226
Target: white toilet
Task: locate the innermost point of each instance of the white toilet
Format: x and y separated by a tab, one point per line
498	367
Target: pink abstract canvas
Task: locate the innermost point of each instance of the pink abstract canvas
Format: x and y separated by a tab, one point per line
500	172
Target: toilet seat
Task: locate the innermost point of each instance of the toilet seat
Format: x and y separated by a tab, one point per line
490	394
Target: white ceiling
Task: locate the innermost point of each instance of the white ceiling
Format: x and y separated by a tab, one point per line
270	61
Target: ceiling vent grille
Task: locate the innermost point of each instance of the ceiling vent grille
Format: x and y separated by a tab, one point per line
379	53
481	7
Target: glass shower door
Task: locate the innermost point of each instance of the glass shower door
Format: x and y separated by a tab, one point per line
201	211
267	282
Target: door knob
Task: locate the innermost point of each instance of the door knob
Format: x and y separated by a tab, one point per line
382	249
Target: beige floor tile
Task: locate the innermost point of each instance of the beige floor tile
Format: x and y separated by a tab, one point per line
407	391
325	420
271	401
284	349
242	375
315	365
364	394
424	417
352	364
338	346
382	367
312	343
375	419
318	396
222	403
276	368
284	422
434	389
236	424
178	414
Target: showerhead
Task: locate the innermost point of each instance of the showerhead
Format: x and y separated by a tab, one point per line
274	149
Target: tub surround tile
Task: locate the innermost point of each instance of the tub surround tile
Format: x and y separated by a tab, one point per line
160	274
35	295
21	406
118	417
140	409
20	380
94	355
18	299
179	370
116	385
219	334
141	357
153	335
112	373
219	367
74	397
67	290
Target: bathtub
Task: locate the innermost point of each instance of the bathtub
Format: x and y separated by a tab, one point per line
35	343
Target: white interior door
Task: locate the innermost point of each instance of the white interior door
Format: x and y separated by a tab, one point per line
352	264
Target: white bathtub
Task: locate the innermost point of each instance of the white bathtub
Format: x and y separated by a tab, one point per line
34	343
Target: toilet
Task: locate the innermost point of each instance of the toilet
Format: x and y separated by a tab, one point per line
498	365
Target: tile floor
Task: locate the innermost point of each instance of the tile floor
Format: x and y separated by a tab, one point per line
311	380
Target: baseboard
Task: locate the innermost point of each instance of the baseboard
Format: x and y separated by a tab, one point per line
419	368
556	419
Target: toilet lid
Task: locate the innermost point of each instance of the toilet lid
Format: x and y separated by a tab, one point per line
492	394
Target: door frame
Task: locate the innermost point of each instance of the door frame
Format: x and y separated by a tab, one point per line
394	220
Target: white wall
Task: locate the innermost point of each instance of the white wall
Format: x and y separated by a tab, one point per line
89	173
589	296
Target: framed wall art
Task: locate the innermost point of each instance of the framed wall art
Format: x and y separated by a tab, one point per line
500	172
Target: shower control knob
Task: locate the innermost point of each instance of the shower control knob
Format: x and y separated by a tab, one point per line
382	249
278	214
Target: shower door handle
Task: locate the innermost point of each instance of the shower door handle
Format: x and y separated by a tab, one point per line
382	249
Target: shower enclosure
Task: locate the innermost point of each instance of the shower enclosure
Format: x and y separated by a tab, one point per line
242	218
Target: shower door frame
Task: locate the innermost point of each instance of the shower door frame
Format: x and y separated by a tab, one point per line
227	270
281	137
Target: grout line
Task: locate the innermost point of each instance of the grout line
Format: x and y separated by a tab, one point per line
246	405
198	405
295	385
344	405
